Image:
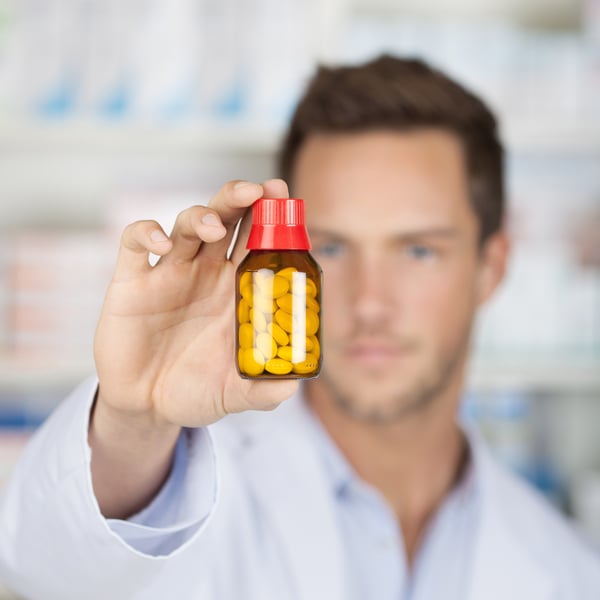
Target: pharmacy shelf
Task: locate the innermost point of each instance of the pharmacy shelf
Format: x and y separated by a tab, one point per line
552	136
17	377
184	137
5	594
80	166
247	137
542	375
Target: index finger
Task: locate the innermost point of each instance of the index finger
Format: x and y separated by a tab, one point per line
232	202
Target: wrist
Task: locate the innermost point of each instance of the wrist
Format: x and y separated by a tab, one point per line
131	458
109	422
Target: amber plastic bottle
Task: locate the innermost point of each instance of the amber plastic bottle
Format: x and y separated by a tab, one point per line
278	296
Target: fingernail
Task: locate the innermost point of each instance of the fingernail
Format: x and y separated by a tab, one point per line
210	219
240	184
158	236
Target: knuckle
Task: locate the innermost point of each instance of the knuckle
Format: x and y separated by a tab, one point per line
136	227
132	235
128	234
187	214
189	218
231	185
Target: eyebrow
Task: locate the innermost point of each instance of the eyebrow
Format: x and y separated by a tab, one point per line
439	232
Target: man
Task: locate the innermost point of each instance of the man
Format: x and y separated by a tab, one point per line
362	485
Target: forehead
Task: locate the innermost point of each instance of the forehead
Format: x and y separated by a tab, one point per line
384	179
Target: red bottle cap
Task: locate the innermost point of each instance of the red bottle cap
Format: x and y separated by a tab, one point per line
278	224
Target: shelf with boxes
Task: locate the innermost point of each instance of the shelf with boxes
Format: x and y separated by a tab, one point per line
535	374
61	173
68	135
249	137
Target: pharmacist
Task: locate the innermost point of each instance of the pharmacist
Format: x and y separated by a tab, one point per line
361	484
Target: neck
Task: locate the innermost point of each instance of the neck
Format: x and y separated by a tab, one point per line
414	462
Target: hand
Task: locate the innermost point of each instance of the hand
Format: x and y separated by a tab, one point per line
164	346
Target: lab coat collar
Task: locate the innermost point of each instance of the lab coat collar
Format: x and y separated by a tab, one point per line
340	475
503	565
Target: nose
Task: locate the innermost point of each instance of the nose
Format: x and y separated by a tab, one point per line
372	301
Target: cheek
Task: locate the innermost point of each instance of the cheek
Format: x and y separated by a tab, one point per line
442	300
336	300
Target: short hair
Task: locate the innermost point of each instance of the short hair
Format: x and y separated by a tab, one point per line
404	95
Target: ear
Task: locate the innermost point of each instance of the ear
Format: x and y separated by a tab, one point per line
492	266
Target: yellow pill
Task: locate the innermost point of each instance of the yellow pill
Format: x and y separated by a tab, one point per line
245	279
272	285
263	278
300	289
308	365
311	288
258	319
284	320
253	362
279	335
312	304
247	294
243	311
315	345
280	286
285	352
266	344
302	343
263	275
278	366
312	322
246	336
286	303
264	303
287	273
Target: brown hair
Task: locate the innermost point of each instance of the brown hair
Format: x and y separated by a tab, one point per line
403	94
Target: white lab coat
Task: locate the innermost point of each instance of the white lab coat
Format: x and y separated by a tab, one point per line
270	533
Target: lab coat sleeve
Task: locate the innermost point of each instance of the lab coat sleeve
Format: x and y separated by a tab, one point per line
53	538
181	507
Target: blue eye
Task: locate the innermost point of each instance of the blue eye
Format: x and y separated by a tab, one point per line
419	252
329	250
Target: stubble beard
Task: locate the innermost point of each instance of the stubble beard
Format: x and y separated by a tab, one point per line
402	404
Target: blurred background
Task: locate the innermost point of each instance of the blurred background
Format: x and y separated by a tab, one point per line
115	110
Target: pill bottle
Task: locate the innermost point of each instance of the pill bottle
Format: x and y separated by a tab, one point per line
278	297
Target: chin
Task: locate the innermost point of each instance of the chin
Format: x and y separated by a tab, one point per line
369	399
378	413
376	395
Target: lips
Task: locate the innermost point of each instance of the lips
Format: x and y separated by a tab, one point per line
376	353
